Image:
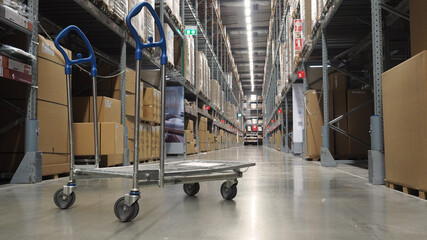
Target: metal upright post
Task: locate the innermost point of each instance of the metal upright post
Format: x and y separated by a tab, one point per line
327	160
286	124
126	161
196	62
376	154
30	168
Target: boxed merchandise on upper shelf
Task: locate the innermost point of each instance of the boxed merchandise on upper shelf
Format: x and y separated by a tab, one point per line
188	56
16	13
203	74
144	21
118	8
175	7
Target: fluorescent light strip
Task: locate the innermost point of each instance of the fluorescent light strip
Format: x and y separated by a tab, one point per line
250	43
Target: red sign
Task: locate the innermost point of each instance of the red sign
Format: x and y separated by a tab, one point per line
297	25
298	44
280	110
301	74
272	120
254	128
207	107
268	126
223	121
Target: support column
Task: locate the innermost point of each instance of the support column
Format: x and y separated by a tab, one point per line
30	168
327	160
126	161
376	154
287	150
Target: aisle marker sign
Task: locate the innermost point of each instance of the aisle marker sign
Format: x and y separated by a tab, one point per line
297	26
190	30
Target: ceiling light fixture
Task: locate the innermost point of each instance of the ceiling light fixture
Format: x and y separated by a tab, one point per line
250	43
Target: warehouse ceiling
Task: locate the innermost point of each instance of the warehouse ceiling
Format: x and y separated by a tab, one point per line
233	17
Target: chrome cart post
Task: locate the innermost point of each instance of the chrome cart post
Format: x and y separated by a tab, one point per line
65	196
162	127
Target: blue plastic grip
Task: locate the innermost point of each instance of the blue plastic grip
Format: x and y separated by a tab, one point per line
139	45
68	63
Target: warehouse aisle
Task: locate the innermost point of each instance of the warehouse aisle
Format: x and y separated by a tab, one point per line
283	197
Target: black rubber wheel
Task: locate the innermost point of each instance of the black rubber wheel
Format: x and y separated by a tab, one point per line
191	189
63	201
125	213
228	193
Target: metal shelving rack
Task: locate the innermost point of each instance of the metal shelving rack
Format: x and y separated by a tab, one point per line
254	114
104	32
278	32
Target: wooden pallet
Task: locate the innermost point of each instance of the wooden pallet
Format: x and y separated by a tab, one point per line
408	190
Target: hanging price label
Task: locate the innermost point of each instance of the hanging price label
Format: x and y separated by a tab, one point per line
301	74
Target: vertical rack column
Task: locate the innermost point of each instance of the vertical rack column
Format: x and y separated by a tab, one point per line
327	160
126	161
376	154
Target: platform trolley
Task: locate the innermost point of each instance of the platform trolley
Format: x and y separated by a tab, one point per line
189	172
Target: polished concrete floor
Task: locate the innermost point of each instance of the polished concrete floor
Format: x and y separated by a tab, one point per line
283	197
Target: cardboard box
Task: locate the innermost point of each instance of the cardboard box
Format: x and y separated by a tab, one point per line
203	136
49	158
108	109
130	106
418	23
405	117
150	96
111	160
149	113
189	124
48	51
130	124
313	125
51	82
52	169
53	127
110	138
359	122
203	147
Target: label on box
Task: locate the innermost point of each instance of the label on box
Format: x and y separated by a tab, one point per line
108	103
48	49
13	16
18	66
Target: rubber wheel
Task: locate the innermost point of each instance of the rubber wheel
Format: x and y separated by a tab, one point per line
63	201
191	189
228	193
125	213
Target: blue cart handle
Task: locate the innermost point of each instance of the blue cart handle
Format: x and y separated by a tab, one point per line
139	45
68	62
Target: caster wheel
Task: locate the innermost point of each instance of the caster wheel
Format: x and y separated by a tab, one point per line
125	213
191	189
228	193
63	201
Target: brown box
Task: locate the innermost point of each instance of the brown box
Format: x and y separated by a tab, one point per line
130	81
203	147
52	169
49	158
203	136
130	124
51	82
359	122
108	109
149	113
53	127
189	125
150	96
203	124
418	23
111	160
313	125
338	85
405	117
189	136
47	50
110	138
130	106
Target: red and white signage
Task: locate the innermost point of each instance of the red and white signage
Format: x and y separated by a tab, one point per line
301	74
254	128
298	44
297	26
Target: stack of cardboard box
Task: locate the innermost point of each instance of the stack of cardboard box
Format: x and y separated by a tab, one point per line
203	74
175	7
152	105
52	109
110	131
189	136
146	145
203	134
189	59
211	142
